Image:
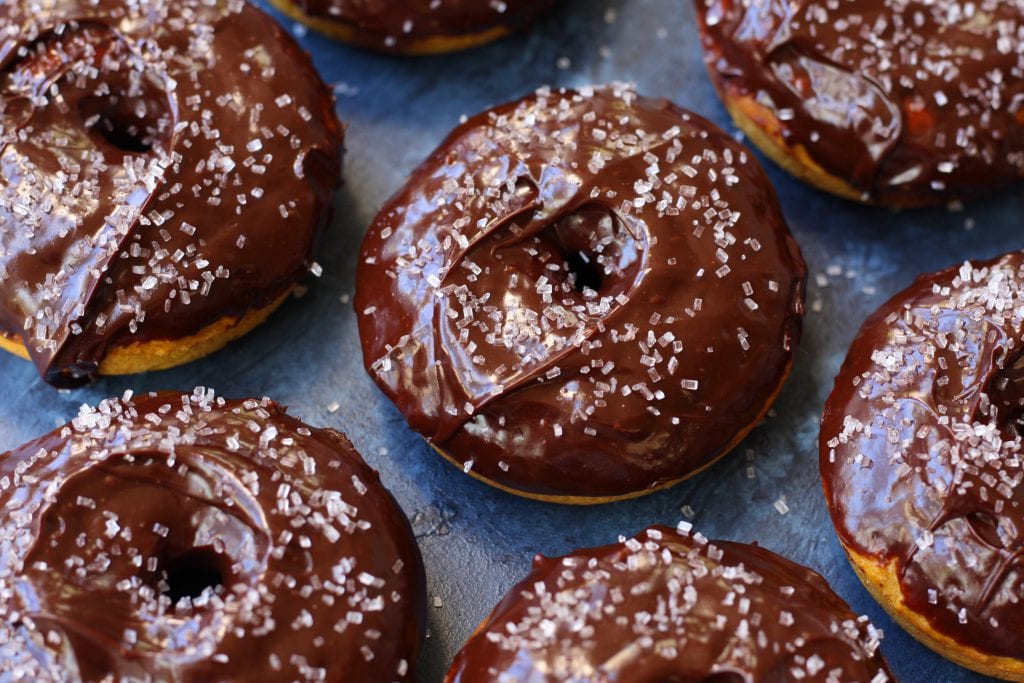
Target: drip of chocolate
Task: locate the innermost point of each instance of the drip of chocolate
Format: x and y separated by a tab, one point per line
163	166
186	537
908	101
668	605
921	452
582	293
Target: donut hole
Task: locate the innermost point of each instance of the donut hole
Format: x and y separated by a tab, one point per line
597	253
119	121
1005	393
192	573
161	526
583	272
92	71
720	677
127	106
988	529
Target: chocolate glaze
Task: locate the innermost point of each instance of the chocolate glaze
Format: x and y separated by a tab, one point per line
582	294
393	25
921	456
668	606
163	165
909	101
137	502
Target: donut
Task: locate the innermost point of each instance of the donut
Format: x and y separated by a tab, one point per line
901	103
414	27
582	296
165	170
921	459
183	537
668	605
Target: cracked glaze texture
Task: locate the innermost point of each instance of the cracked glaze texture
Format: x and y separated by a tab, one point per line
583	294
908	101
920	451
162	166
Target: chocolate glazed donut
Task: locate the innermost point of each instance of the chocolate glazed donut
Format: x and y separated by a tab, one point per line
415	27
188	538
582	296
899	102
670	606
923	464
165	169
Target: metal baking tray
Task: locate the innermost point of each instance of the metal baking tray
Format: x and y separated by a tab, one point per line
477	541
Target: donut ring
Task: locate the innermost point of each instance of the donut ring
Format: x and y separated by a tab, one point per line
186	537
166	170
582	296
414	27
902	103
921	461
666	605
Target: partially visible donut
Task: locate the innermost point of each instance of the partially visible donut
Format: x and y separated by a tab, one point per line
895	102
415	27
185	537
923	464
165	170
670	606
582	296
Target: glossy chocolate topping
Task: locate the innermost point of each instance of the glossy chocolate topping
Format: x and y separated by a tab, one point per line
163	165
909	101
921	453
582	294
669	606
397	24
187	538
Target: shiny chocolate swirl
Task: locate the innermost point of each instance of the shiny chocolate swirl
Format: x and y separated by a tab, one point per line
921	451
585	294
163	166
909	101
670	606
397	25
184	537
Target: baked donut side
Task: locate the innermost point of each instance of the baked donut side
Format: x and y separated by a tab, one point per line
167	169
921	461
851	97
415	27
187	537
582	296
671	605
148	356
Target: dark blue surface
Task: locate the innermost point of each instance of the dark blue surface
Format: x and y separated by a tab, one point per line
477	541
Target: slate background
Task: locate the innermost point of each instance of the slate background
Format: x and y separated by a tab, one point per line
476	541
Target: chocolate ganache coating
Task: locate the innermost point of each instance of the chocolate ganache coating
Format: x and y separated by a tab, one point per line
396	24
163	166
921	453
582	294
668	605
187	538
909	101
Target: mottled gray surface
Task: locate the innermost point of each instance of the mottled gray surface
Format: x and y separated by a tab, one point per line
477	541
